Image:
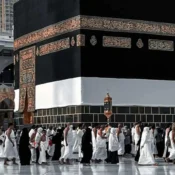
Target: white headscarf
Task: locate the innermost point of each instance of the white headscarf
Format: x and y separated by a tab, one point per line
38	136
39	130
145	136
71	127
113	140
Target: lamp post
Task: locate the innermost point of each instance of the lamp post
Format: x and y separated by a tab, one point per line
108	107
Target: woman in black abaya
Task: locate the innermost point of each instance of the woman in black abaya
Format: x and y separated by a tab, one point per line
57	141
24	150
87	147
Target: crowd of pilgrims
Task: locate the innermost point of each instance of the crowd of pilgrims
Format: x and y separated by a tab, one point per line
86	144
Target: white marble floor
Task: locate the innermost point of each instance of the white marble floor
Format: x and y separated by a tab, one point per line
126	167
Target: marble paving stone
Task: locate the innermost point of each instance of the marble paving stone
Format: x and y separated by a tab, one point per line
127	166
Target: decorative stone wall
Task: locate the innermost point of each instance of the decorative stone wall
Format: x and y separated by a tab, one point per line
94	114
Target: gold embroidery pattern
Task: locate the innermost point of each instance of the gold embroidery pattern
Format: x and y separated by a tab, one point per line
161	45
37	52
93	40
80	40
54	46
73	41
119	42
27	79
57	29
127	25
140	44
95	23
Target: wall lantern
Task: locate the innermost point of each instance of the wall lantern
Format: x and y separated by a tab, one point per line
108	107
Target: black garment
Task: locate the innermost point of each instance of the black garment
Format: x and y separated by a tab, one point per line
57	141
108	153
47	156
160	148
128	149
160	142
139	143
137	154
166	152
37	154
87	147
114	157
128	143
24	150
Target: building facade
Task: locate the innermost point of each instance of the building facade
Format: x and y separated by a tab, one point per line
6	62
6	79
6	15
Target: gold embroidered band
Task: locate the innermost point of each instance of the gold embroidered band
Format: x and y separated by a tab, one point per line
161	45
120	42
27	79
95	23
51	31
54	46
80	40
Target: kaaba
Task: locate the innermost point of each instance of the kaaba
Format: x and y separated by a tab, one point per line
70	53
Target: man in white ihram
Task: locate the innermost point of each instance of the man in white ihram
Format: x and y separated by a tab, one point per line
79	136
10	150
32	134
68	140
146	155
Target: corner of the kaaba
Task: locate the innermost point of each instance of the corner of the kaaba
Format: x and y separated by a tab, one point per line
70	54
46	50
124	43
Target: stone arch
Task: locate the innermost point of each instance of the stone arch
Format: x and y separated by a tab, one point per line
6	112
7	104
7	95
7	74
4	105
5	62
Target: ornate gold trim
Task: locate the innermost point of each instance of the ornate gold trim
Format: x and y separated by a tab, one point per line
45	33
139	43
95	23
37	52
93	40
161	45
80	40
73	41
54	46
118	42
127	25
27	79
